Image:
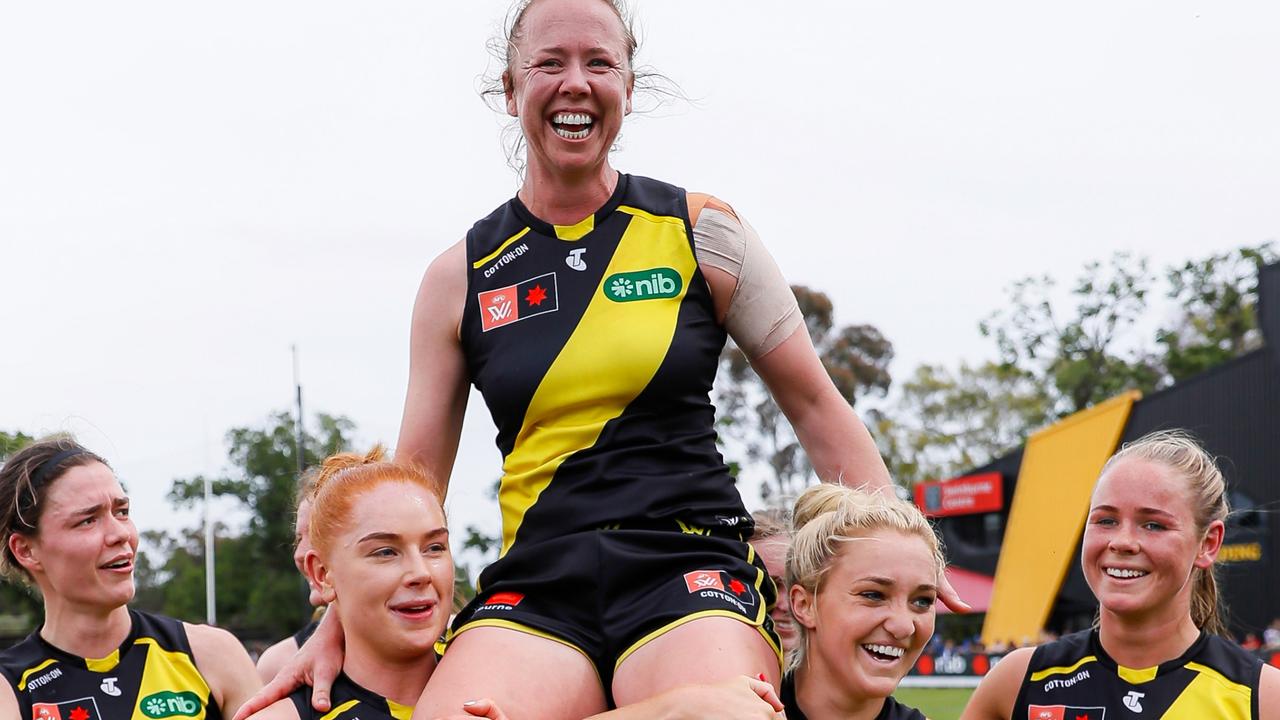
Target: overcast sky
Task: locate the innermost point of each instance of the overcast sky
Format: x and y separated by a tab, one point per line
188	189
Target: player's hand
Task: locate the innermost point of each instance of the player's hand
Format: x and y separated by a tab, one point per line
733	699
483	707
316	663
951	598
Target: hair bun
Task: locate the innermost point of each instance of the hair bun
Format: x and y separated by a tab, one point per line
336	464
827	498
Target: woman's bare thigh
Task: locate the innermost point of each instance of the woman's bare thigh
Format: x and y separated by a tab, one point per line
530	677
702	651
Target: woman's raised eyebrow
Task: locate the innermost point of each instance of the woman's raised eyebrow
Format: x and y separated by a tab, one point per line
95	509
878	580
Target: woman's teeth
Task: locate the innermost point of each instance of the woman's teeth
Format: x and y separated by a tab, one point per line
572	126
1119	573
888	651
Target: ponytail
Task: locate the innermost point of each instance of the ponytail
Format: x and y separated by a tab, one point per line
1205	610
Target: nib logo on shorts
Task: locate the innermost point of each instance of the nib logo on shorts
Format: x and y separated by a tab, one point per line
1065	712
506	305
82	709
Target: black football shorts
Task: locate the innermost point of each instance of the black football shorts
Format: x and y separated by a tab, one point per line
606	593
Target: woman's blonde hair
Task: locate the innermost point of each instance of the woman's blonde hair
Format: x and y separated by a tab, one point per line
1180	452
771	523
828	516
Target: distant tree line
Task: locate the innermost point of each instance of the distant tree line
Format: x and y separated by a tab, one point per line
1054	353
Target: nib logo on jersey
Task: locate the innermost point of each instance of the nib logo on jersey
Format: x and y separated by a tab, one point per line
1065	712
535	296
721	585
652	284
82	709
167	703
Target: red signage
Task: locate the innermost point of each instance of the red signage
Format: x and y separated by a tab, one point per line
961	496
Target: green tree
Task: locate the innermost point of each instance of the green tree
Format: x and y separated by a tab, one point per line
1218	301
259	591
1089	352
20	606
943	423
11	443
855	356
1056	361
480	542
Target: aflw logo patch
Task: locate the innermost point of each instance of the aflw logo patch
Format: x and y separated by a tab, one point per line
82	709
506	305
1065	712
720	585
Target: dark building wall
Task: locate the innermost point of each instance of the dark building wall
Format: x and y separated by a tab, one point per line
1234	410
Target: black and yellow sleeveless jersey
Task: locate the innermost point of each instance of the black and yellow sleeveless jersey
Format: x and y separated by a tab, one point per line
1074	679
892	710
595	346
349	701
152	675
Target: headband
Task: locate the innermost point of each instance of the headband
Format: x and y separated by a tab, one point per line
49	466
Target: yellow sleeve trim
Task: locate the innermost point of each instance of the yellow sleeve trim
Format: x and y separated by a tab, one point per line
22	683
637	212
1047	672
505	244
340	709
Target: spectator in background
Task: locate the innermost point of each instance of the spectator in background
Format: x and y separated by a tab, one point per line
1271	636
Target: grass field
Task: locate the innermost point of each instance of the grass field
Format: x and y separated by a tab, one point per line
936	703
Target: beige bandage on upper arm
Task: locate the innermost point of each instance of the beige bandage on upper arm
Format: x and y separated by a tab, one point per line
763	310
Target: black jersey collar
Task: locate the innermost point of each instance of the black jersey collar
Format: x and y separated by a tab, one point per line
1140	675
573	232
359	692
